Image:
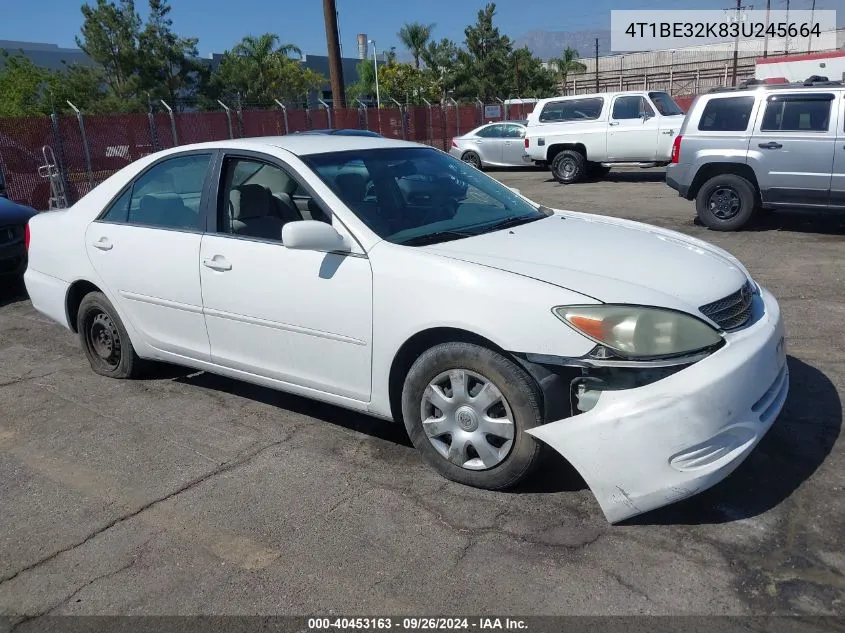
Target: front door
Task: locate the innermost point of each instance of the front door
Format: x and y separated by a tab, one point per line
632	130
145	248
300	317
514	145
792	148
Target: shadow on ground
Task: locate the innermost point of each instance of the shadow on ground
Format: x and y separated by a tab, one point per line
793	449
11	291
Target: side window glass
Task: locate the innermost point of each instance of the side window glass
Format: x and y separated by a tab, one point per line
572	110
726	114
514	131
119	210
491	131
796	114
632	107
257	199
168	195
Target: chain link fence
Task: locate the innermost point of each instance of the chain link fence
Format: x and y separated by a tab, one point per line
91	147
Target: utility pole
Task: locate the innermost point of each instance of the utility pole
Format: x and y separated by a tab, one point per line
812	15
786	40
736	44
597	64
333	42
766	38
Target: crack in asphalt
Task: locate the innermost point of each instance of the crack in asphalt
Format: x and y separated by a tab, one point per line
135	558
239	460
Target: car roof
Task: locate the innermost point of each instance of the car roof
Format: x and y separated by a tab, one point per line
301	144
342	132
592	95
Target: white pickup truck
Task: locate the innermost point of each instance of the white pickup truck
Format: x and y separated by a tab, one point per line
583	135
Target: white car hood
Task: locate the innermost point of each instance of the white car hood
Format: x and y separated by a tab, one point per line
608	259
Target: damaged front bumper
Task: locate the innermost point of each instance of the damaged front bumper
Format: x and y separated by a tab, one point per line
643	448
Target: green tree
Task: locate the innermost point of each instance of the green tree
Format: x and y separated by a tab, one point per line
486	59
110	37
169	67
22	86
528	76
441	60
258	70
366	85
568	64
415	36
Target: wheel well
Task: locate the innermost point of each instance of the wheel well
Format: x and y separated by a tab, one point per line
414	347
75	294
557	148
715	169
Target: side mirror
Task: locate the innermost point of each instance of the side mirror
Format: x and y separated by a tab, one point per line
515	190
312	235
645	116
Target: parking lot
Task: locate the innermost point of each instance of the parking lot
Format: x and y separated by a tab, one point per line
187	493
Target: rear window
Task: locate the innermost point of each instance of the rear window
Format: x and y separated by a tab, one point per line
727	114
572	110
797	113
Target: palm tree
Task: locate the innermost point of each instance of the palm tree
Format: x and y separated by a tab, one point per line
264	56
568	63
415	36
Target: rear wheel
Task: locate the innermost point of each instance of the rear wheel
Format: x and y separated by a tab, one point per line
467	409
726	202
569	167
473	159
104	338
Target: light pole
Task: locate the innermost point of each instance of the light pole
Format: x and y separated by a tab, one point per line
375	68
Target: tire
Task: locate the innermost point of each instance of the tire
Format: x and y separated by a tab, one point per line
472	159
726	202
569	167
597	170
497	462
104	338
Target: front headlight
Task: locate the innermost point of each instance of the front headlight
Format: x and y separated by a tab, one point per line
633	331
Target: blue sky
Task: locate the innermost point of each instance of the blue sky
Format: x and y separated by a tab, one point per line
219	24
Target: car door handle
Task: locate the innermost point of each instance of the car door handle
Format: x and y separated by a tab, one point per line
614	123
103	244
218	263
770	145
668	132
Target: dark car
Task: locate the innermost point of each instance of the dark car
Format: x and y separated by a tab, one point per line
13	219
343	132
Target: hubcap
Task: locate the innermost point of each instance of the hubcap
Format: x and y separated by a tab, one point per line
472	159
467	419
567	167
724	203
104	339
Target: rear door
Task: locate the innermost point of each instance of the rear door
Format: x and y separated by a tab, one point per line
490	141
792	148
837	179
632	129
146	246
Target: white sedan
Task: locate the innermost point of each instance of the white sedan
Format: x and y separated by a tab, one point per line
390	278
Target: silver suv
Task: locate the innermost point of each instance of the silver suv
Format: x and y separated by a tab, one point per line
762	147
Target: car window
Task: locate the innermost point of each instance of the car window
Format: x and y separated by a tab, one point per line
665	104
410	194
491	131
726	114
572	109
631	107
258	198
119	210
797	113
514	131
168	194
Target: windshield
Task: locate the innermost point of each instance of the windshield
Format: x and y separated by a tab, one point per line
665	104
420	196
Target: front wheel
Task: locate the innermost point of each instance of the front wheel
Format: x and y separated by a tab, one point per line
467	410
726	202
104	338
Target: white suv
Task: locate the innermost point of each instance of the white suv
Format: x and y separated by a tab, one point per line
583	135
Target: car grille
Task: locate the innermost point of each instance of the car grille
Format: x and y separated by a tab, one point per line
733	311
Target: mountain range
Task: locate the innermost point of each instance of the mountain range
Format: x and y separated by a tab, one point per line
548	44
